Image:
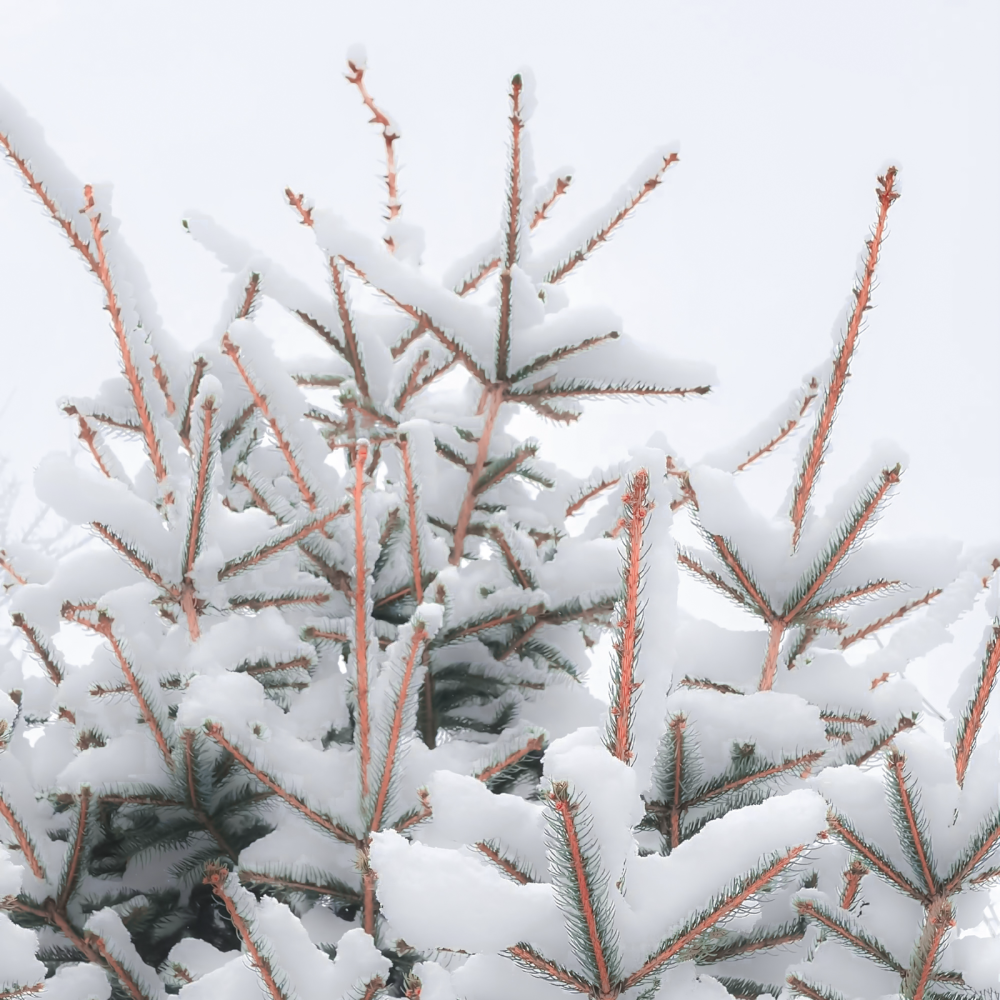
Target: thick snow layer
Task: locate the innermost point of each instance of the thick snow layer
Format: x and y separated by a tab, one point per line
108	926
78	982
18	965
664	892
477	908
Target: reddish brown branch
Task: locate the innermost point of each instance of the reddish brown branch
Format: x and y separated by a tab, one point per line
23	840
132	376
711	577
73	867
938	922
736	568
163	382
124	977
841	368
580	255
215	731
873	858
352	347
490	404
39	647
215	876
513	231
528	956
677	726
88	437
411	510
897	765
200	365
105	627
729	905
508	554
849	640
249	296
6	564
265	552
637	508
535	744
775	633
811	992
890	477
972	721
577	504
361	615
396	729
233	353
389	137
542	210
784	431
293	885
505	864
904	723
852	882
566	811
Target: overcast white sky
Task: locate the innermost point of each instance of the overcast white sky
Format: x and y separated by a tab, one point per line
784	111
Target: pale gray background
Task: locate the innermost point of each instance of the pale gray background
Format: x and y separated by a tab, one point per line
784	112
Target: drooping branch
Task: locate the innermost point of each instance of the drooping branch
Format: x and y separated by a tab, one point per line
89	437
22	837
105	626
342	893
853	937
40	647
132	376
525	955
216	876
589	494
532	745
507	866
233	353
841	368
259	555
216	732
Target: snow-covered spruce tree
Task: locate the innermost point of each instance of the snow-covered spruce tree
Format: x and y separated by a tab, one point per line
735	732
751	710
273	631
573	903
917	842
